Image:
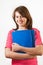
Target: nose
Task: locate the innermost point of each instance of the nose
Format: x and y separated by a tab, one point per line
20	17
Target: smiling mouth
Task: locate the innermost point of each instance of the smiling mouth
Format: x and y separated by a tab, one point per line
20	22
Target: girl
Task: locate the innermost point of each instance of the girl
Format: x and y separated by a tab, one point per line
23	21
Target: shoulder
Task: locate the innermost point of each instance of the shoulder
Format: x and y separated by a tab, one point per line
36	30
9	35
38	40
10	31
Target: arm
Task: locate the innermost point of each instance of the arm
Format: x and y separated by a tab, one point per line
8	49
14	55
42	49
32	51
37	50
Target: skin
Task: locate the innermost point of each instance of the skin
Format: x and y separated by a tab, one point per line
30	52
21	21
42	49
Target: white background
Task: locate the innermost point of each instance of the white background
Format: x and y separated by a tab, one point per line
6	22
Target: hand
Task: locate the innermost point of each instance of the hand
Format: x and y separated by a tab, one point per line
16	47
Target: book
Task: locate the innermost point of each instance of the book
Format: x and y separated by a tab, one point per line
24	38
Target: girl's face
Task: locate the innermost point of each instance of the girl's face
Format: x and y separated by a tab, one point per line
20	20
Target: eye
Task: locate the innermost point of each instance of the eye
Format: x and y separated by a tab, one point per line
16	16
20	16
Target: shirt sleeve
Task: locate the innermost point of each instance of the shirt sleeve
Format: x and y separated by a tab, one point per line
9	40
38	40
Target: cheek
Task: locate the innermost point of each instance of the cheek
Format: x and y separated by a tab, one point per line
25	20
16	19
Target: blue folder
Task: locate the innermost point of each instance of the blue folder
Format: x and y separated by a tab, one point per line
24	38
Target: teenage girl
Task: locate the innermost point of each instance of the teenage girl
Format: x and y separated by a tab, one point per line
23	21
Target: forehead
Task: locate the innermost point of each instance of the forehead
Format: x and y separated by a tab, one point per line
17	13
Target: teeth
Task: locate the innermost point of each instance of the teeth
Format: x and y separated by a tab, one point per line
21	21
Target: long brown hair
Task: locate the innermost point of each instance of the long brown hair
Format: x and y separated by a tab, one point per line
25	13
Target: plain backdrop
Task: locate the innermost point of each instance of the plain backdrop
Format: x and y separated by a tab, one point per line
6	22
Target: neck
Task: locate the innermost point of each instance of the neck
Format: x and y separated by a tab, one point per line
22	28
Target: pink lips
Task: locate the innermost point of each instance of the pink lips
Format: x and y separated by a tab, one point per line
20	21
